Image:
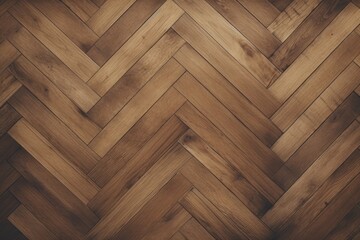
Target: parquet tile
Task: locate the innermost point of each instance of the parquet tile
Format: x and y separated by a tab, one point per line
179	119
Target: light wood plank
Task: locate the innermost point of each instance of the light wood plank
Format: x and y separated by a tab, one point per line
43	152
135	47
316	53
54	39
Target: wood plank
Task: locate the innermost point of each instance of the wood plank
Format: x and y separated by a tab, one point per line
247	24
281	4
23	219
228	95
154	62
8	25
192	230
84	9
225	172
9	54
227	123
264	11
133	169
210	217
50	216
152	212
226	64
8	86
8	117
71	85
226	202
140	193
8	147
122	29
49	126
316	53
314	177
326	193
66	20
136	138
107	14
348	227
320	140
9	232
54	99
45	154
335	211
303	35
172	221
8	205
316	114
329	70
8	175
231	40
56	193
133	111
54	39
5	5
292	17
128	54
222	145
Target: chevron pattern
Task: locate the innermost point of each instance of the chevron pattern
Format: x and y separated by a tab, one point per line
179	119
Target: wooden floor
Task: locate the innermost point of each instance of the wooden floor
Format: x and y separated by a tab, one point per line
179	119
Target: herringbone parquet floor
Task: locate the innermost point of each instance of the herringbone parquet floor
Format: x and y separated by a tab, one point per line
179	119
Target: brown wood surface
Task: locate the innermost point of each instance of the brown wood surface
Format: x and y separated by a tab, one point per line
179	119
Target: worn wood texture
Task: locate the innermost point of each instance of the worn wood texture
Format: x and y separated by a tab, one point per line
179	119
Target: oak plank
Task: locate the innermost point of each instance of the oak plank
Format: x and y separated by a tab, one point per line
134	110
154	62
316	53
303	35
247	24
56	193
230	206
227	123
229	151
84	9
319	141
136	138
210	217
44	153
8	175
264	11
50	216
319	110
329	70
136	167
22	219
66	20
291	18
8	205
228	95
226	64
150	32
8	25
8	147
130	204
192	230
172	221
70	84
8	117
326	193
335	211
281	4
9	53
236	44
122	29
8	86
152	212
54	99
54	39
314	177
56	132
107	14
